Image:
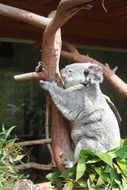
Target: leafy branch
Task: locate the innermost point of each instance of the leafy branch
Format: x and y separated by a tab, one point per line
95	170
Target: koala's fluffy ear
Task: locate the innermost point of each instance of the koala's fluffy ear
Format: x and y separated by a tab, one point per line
98	73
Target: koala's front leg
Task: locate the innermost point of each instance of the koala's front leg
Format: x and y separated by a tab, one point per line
61	98
55	92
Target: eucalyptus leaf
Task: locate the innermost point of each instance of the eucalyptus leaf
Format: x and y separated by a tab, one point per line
69	173
124	183
52	177
122	163
98	171
104	157
122	152
81	167
100	182
82	183
87	152
123	142
68	186
114	174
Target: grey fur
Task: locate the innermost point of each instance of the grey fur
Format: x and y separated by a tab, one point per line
94	125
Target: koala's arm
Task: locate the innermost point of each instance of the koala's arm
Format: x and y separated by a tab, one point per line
62	98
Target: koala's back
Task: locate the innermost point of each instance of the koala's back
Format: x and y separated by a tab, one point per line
95	121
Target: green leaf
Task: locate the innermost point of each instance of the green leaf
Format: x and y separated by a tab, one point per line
68	185
122	163
107	169
87	152
100	182
119	184
52	177
93	160
90	184
117	168
105	157
124	183
82	183
115	185
123	142
122	152
114	174
8	132
81	167
69	173
105	176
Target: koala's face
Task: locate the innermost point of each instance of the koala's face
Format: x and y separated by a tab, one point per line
86	74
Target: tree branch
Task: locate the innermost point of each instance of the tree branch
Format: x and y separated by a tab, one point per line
23	15
34	166
118	84
51	54
34	142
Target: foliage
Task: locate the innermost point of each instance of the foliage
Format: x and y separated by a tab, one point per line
22	105
10	155
95	171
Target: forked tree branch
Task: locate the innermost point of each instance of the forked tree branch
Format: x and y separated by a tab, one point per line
41	22
51	54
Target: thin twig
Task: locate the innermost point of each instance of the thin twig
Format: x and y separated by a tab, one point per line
47	128
34	166
35	142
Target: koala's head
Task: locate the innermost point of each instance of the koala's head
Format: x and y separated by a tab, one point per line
86	74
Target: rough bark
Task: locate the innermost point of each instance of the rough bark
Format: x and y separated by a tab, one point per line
51	53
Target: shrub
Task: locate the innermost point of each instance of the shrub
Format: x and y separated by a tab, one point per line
10	155
95	171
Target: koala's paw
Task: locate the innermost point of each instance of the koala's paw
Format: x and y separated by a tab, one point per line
45	84
69	163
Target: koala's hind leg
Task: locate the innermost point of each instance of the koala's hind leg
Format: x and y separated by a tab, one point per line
84	143
87	143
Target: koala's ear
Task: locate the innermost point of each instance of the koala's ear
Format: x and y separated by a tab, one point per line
98	73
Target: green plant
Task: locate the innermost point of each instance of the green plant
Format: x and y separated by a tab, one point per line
95	171
10	155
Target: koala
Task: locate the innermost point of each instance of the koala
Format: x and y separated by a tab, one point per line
93	123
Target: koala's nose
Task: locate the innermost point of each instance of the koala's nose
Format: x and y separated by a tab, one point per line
86	72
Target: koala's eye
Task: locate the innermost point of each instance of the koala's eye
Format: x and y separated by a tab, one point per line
91	67
70	71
